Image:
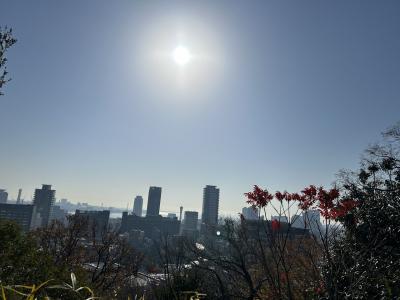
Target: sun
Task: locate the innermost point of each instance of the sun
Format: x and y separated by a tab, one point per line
181	55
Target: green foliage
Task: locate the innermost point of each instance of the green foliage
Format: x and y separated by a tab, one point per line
20	260
366	260
23	263
47	290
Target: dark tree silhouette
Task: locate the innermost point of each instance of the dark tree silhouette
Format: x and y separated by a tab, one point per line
367	258
6	41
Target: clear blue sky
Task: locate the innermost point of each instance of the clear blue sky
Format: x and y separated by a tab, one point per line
282	94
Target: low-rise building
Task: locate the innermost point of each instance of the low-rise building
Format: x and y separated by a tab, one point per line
22	214
152	226
97	220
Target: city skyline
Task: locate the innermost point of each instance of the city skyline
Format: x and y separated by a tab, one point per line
135	207
44	209
106	100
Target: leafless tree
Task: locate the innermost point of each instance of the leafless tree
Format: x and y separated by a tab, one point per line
107	262
6	41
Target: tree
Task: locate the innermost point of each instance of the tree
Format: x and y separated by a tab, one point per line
20	260
257	260
6	41
367	257
105	263
179	280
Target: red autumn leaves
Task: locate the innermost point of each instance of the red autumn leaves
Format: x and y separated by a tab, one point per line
258	197
326	201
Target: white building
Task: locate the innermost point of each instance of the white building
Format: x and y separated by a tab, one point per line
3	196
138	206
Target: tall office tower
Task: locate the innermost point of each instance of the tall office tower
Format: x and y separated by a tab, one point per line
19	196
3	196
138	206
180	213
153	202
43	201
190	220
210	205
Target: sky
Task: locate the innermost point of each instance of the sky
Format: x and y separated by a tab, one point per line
282	94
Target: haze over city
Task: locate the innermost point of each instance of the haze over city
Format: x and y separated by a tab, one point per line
107	100
215	150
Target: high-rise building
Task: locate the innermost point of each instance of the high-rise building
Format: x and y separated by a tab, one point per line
3	196
210	205
153	201
21	214
138	206
43	200
190	220
189	225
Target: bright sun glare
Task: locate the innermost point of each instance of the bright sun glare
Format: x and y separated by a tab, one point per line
181	55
